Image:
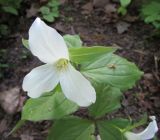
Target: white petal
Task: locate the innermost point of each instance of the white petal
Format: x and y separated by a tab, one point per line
147	134
46	43
98	137
132	136
76	87
41	79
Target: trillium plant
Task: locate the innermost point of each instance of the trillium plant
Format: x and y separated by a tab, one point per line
73	78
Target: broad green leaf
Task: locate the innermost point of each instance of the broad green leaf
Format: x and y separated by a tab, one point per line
88	54
72	128
112	70
73	41
108	100
151	8
150	12
25	43
48	107
44	10
53	3
125	3
157	25
10	9
49	17
152	18
54	13
112	129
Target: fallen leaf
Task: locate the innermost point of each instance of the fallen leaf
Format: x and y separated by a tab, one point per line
87	8
148	76
26	137
122	27
149	82
100	3
110	8
125	102
130	18
60	27
9	100
34	9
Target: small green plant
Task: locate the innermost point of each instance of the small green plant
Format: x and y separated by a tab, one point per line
150	13
50	11
75	76
123	8
10	6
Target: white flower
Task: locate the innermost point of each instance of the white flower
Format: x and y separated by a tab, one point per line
49	46
147	134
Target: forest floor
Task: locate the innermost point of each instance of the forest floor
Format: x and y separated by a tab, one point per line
95	26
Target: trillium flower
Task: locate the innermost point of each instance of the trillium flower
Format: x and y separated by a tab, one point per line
49	46
147	134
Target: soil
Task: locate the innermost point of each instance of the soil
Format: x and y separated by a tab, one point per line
95	27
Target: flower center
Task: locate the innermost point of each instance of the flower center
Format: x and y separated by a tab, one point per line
62	64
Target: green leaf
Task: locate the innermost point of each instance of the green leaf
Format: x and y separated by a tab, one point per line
152	18
53	3
10	9
54	13
122	11
113	70
44	10
25	43
156	25
73	41
150	13
88	54
108	100
48	107
125	3
151	8
49	17
72	128
112	129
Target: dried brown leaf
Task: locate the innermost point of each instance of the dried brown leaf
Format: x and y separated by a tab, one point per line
9	100
32	11
122	27
87	8
100	3
110	8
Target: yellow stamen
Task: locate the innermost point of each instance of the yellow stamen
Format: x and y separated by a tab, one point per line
62	64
